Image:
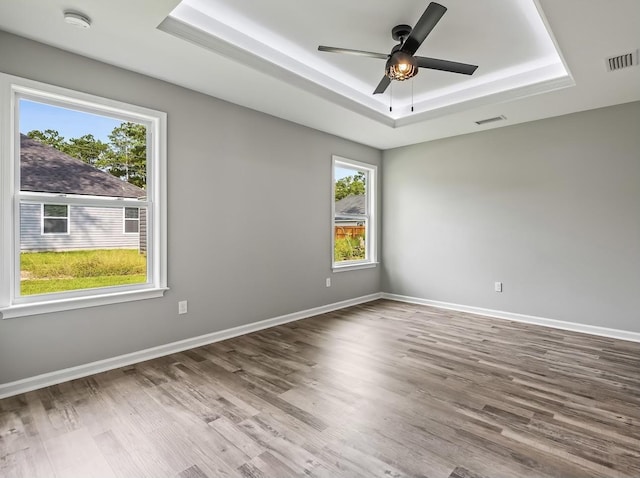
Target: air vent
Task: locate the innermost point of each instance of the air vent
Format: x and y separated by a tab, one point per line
622	61
491	120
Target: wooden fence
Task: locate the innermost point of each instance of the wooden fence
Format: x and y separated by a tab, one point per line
349	231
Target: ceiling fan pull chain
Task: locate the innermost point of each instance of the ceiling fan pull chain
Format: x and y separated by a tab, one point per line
391	98
412	95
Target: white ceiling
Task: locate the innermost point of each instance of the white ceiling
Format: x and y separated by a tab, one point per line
536	59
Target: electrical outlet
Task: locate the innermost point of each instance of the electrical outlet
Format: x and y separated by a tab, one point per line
328	282
498	286
182	307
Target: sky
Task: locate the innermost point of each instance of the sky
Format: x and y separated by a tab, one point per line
343	172
68	123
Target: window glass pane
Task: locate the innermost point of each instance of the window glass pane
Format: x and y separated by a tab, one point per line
55	210
95	253
350	241
55	226
350	190
131	212
131	226
350	221
66	151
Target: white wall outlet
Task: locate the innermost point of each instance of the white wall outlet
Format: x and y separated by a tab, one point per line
182	307
328	282
498	286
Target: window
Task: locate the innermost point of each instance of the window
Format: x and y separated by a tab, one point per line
354	226
82	200
131	220
55	219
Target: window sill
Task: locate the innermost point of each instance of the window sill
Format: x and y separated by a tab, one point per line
352	267
44	307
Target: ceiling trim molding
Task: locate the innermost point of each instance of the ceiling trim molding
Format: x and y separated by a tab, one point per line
545	86
201	38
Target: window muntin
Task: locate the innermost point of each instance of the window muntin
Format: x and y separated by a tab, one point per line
15	196
353	219
131	220
55	219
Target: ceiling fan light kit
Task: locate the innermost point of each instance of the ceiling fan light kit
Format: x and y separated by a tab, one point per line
401	62
401	66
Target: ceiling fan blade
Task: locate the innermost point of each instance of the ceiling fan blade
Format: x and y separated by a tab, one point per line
445	65
384	83
428	20
348	51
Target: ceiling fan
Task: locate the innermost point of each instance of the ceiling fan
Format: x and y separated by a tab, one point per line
401	62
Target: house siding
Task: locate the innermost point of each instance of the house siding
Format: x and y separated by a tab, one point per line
89	228
143	230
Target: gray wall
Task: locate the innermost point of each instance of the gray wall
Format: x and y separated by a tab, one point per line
550	208
249	222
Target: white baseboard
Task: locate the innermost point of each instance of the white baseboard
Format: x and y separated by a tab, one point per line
529	319
59	376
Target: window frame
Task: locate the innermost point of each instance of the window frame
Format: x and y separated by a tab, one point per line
125	219
12	304
370	216
43	217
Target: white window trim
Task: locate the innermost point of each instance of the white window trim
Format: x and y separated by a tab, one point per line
43	217
13	88
371	215
125	219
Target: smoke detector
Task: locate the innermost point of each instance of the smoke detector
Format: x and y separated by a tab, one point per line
77	19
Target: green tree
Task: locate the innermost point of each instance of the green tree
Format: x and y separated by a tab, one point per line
87	148
50	137
350	186
127	154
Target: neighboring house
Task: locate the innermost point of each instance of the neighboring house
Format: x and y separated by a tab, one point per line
344	222
49	226
349	206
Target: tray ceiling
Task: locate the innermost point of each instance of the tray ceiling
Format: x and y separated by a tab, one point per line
510	41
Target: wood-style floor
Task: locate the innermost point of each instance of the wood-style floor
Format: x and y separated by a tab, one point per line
384	389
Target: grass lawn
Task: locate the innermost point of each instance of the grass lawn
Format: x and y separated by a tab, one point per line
349	249
47	272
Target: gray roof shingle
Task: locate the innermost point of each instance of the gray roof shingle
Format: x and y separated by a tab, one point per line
45	169
353	204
